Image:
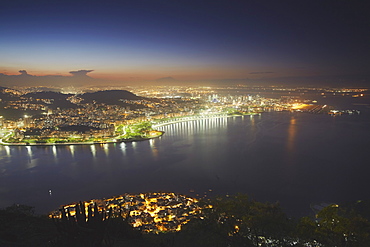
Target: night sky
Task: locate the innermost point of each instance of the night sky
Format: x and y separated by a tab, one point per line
186	40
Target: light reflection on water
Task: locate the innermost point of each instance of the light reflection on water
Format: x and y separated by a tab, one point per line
7	150
153	148
189	128
54	148
292	131
29	151
106	149
93	150
72	150
293	158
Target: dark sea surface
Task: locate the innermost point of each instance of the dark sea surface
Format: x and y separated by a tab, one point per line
298	159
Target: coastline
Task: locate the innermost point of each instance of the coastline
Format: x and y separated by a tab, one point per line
208	117
82	143
118	140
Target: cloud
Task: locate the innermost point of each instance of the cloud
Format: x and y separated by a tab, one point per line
78	78
82	72
261	72
23	72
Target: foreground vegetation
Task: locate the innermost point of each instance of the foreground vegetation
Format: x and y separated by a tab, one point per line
231	221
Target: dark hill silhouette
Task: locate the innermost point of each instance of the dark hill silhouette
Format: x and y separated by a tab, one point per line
48	95
60	99
109	97
6	96
166	79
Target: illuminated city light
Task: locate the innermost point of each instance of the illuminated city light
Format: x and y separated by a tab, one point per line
104	123
148	212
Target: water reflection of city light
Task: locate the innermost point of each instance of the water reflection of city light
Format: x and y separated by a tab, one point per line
122	146
93	150
29	151
54	149
292	130
191	127
72	150
7	150
106	149
151	143
153	148
290	145
252	121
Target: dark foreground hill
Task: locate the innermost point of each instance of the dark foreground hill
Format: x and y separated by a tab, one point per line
231	221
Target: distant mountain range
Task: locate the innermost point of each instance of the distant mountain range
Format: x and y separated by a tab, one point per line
82	78
109	97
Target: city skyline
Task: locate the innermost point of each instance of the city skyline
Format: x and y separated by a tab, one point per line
91	42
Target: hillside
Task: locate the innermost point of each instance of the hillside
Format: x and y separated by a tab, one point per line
110	97
59	99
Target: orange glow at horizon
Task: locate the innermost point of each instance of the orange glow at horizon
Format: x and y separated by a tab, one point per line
149	72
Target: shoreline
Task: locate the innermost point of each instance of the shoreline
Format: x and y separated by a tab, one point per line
118	140
186	120
81	143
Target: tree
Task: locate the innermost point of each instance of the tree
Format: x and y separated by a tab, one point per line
84	228
19	226
335	226
238	221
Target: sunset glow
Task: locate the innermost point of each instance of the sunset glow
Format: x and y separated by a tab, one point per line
187	41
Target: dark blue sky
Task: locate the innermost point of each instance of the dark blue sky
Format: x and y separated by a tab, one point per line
188	40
